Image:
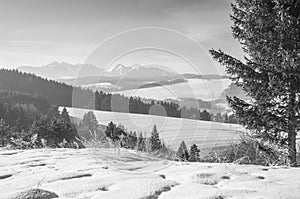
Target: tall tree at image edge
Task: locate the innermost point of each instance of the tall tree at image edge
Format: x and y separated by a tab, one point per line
269	33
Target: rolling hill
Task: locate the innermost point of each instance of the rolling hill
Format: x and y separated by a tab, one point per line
172	130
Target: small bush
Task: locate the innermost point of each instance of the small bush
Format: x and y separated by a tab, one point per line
249	150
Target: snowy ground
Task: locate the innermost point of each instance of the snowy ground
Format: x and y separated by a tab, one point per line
99	173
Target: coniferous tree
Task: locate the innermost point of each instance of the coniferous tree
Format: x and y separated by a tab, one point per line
182	152
269	33
141	142
110	129
194	153
97	100
204	115
135	139
155	142
65	116
90	120
4	132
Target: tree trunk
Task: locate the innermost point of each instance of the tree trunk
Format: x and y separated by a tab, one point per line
292	131
292	148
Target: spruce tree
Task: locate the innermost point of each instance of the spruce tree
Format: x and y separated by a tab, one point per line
194	153
97	100
89	119
155	142
183	153
269	33
65	116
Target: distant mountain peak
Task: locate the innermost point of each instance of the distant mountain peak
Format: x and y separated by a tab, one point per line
59	65
60	70
139	71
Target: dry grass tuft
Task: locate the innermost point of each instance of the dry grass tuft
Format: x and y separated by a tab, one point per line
249	150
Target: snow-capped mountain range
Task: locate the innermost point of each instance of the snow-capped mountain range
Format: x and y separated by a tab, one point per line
139	71
63	70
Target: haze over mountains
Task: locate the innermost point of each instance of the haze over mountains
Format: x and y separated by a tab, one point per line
64	70
154	80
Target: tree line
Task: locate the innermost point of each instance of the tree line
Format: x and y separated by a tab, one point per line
56	92
65	95
120	103
31	121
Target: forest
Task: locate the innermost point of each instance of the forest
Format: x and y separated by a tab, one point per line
61	94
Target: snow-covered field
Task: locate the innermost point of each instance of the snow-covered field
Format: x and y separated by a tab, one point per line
193	88
172	130
99	173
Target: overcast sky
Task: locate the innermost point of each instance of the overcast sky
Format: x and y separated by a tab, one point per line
36	32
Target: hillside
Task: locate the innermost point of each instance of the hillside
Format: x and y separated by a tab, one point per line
172	130
57	93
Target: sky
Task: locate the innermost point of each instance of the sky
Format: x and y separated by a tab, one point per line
175	33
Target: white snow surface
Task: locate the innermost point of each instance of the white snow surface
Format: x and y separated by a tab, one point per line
172	130
98	173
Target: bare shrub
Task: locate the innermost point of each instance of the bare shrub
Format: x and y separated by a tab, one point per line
96	141
249	150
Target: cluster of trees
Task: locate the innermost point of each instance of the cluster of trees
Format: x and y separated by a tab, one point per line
42	132
152	144
192	155
128	140
133	140
193	113
118	103
21	109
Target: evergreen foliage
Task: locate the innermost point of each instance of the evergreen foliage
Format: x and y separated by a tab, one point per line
23	108
116	133
182	152
194	153
269	32
119	103
155	142
56	92
90	121
65	116
141	143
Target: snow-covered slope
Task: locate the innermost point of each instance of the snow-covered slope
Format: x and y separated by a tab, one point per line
172	130
98	173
